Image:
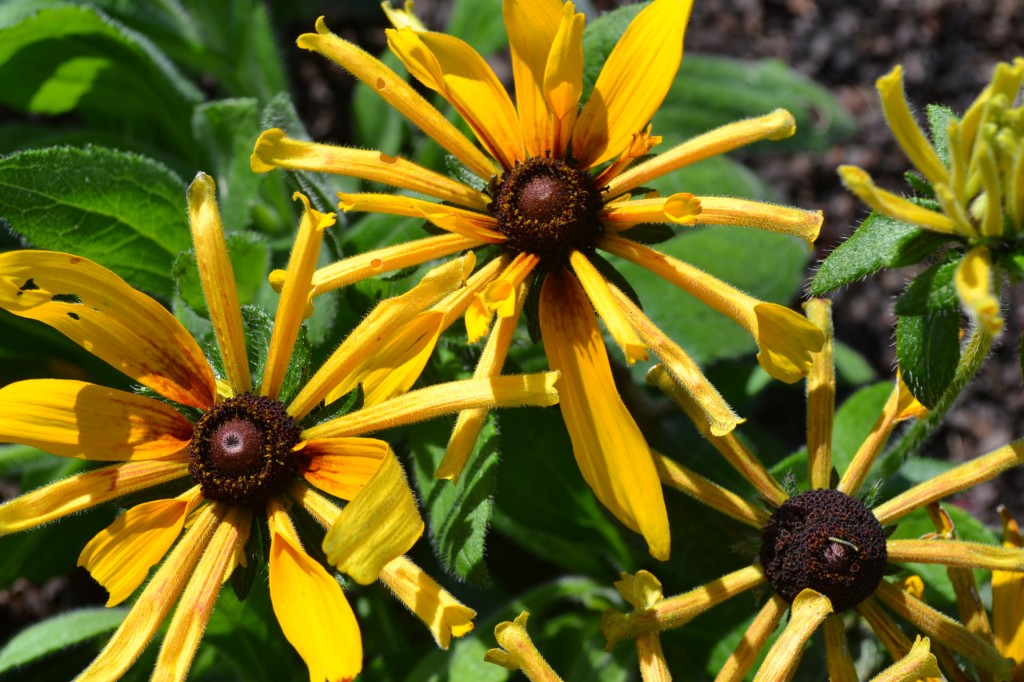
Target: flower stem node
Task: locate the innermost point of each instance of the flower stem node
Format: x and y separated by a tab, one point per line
827	541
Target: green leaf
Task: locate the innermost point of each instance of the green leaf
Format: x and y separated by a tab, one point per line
931	291
767	266
879	242
459	514
56	633
79	59
225	130
851	366
474	22
928	350
122	210
250	260
17	459
939	118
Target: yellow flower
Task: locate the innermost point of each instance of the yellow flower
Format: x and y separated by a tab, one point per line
978	199
824	551
558	181
1008	602
246	452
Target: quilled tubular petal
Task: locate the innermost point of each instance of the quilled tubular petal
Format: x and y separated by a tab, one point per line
807	613
432	604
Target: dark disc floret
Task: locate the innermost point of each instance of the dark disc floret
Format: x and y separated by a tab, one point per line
241	450
827	541
546	207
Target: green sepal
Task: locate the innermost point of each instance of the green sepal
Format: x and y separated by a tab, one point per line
879	242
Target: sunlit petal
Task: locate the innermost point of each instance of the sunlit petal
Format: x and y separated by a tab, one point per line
808	611
380	524
821	398
681	208
760	215
715	496
861	184
633	82
956	553
435	606
906	131
608	308
99	311
310	606
449	218
563	78
609	448
518	652
973	280
77	419
1008	598
531	27
743	657
919	664
341	466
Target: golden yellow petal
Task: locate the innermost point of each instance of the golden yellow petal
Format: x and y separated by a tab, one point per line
426	403
442	613
777	125
119	556
381	523
76	419
518	651
760	215
861	184
563	78
341	466
608	308
155	602
452	68
837	651
807	613
218	280
83	491
200	595
906	131
274	149
859	467
788	342
99	311
609	448
640	146
1008	597
715	496
633	82
918	664
821	398
480	226
973	281
956	553
401	18
681	208
531	27
743	657
295	295
310	606
399	94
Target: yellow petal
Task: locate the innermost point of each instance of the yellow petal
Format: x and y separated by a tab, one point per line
808	611
499	296
396	364
76	419
83	491
274	149
609	448
743	657
531	27
642	590
918	664
973	280
640	146
459	221
821	397
777	125
99	311
906	131
200	595
426	403
310	606
861	184
633	82
563	78
762	216
381	523
518	651
837	651
341	466
608	308
453	69
119	557
218	280
435	606
400	18
715	496
1008	597
681	208
399	94
788	343
155	602
295	295
381	261
956	553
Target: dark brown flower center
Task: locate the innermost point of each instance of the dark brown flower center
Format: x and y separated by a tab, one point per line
241	450
827	541
547	208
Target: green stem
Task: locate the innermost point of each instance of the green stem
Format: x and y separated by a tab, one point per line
914	437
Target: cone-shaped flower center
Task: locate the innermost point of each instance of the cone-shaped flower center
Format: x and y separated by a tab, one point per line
547	208
241	450
827	541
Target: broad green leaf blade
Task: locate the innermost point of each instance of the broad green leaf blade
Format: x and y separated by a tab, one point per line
879	242
79	59
459	514
122	210
931	291
928	350
851	367
225	130
52	635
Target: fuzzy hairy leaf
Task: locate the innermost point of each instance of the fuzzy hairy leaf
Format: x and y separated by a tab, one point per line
53	634
928	350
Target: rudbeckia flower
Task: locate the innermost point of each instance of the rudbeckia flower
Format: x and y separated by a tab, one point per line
239	452
553	185
972	191
824	551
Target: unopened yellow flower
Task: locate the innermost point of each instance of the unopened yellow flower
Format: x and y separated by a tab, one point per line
247	453
824	551
978	192
555	185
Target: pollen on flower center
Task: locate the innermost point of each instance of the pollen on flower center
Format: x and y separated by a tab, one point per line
827	541
547	208
241	450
